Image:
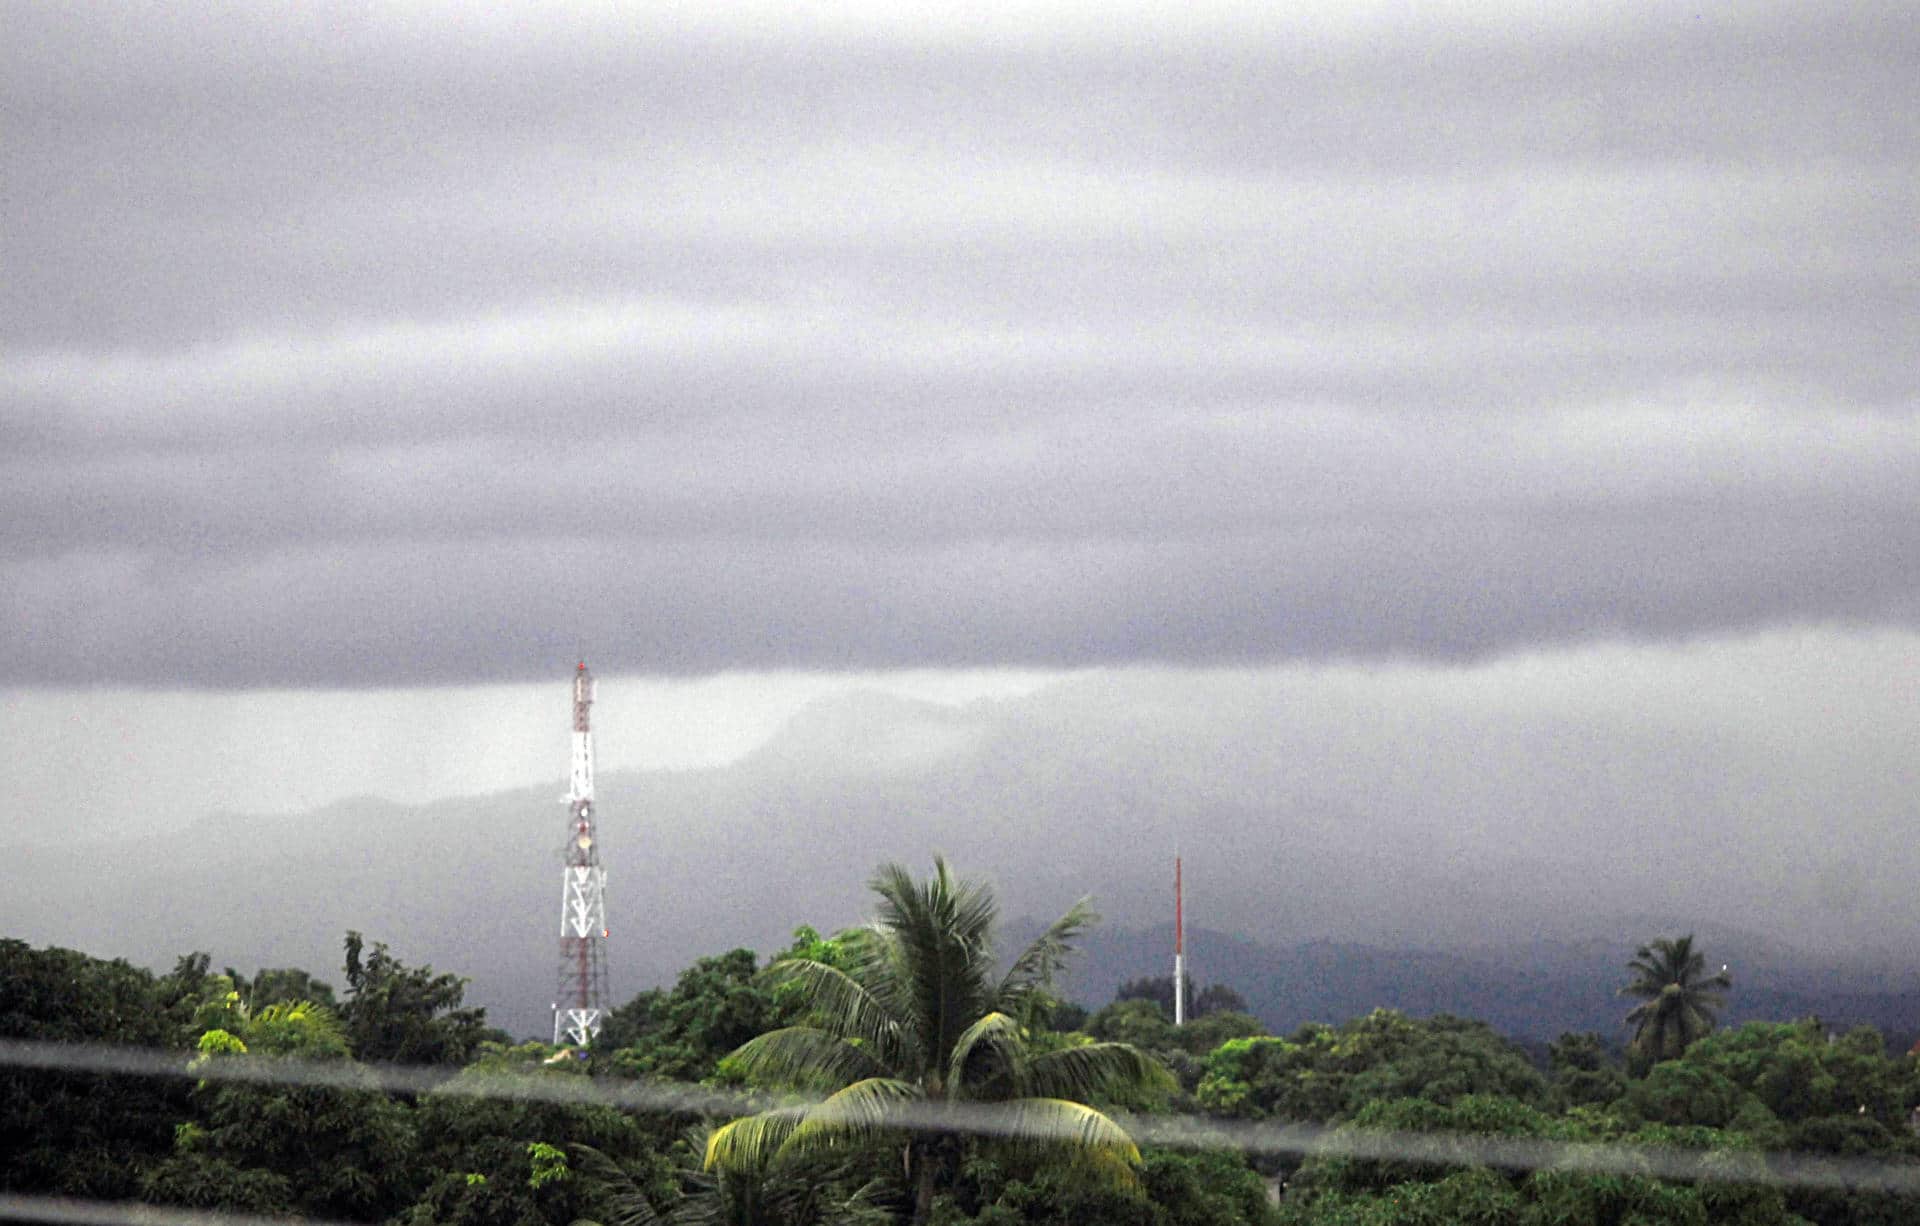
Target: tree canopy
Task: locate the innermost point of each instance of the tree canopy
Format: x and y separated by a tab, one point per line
917	1012
407	1015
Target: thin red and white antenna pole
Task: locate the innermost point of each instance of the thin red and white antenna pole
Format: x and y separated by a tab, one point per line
1179	947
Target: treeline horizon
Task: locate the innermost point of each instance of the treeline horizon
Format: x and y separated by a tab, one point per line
804	1018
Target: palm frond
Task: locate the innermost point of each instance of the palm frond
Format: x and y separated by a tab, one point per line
996	1032
1096	1069
1106	1167
844	1006
1058	1121
876	962
776	1191
1704	998
615	1188
297	1026
944	931
1089	1139
751	1142
901	903
852	1115
920	952
972	911
859	1207
1039	963
804	1057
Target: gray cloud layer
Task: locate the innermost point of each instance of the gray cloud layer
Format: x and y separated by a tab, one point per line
408	346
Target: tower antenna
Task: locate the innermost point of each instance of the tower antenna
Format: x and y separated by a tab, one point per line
1179	947
580	994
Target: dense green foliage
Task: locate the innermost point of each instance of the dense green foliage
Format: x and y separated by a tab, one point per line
75	1134
1143	1023
1326	1073
408	1014
962	1026
1214	998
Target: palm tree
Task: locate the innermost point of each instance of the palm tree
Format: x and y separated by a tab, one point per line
1678	999
919	1021
776	1197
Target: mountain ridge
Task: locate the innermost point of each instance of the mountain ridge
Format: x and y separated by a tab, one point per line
1524	995
1336	819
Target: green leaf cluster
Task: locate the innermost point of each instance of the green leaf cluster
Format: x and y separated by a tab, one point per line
408	1015
1326	1073
683	1034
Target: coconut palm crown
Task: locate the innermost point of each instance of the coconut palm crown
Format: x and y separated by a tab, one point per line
920	1020
1678	999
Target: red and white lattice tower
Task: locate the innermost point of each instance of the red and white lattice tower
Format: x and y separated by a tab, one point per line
580	995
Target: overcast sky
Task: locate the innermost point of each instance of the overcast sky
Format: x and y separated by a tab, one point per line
361	365
382	345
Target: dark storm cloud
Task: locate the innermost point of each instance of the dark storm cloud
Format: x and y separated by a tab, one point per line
351	345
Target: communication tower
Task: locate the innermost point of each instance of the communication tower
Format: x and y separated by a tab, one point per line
581	991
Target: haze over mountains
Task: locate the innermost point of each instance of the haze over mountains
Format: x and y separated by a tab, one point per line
1529	990
1317	806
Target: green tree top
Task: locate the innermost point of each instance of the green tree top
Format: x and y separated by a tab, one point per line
407	1014
1679	1001
921	1016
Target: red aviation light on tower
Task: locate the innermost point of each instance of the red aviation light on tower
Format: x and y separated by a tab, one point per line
582	698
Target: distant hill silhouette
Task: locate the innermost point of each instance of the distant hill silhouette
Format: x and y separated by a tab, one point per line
1352	881
1533	991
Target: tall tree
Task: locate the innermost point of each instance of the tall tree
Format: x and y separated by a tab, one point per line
408	1014
1679	1001
922	1018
